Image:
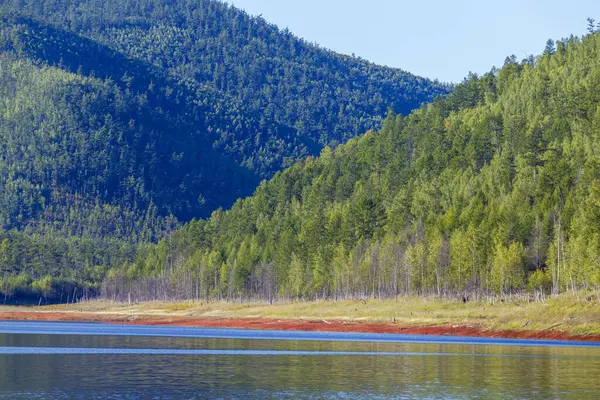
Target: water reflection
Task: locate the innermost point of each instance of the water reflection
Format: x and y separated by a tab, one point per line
257	369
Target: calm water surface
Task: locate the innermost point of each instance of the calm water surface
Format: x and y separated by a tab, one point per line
93	361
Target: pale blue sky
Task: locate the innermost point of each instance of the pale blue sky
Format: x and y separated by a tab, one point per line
432	38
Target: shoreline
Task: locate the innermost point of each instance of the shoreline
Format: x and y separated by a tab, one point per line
295	324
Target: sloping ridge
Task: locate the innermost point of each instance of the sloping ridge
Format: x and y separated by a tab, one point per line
181	148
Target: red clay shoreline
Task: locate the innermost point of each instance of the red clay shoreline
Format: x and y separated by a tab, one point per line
295	325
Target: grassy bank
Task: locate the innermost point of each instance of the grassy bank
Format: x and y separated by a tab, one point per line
577	314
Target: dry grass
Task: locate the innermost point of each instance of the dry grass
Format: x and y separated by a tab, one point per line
576	313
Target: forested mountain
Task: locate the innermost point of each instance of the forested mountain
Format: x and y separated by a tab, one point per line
122	133
270	73
121	119
173	136
495	189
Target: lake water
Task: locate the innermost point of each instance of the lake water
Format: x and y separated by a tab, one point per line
95	361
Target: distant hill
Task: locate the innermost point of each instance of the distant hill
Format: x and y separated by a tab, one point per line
327	97
187	141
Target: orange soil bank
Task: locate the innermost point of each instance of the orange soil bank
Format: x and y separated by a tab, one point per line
294	324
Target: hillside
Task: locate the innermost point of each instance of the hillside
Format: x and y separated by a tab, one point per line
269	73
113	132
116	131
495	189
173	138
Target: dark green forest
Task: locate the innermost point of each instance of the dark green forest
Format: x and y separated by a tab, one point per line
121	120
268	72
492	190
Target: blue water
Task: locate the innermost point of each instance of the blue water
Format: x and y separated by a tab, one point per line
80	361
67	328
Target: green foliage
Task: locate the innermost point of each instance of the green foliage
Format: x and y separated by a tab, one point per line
539	281
266	71
492	190
49	268
508	268
119	119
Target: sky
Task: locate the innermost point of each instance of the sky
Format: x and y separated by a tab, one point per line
438	39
